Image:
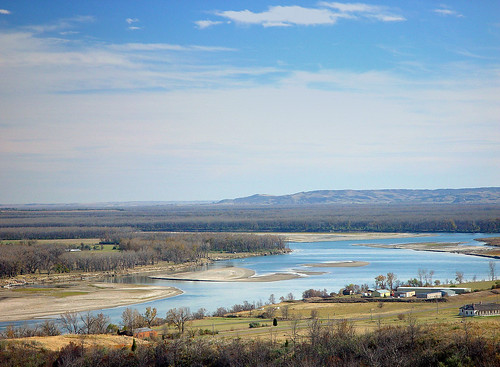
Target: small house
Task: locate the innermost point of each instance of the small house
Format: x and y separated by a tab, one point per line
480	309
381	293
145	332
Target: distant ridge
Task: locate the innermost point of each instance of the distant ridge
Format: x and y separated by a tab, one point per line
483	195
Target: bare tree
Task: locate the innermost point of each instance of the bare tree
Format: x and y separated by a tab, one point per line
391	279
459	276
492	266
70	322
178	317
272	299
285	312
150	315
380	281
131	319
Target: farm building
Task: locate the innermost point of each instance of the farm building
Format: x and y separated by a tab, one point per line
381	293
145	332
404	294
429	295
480	309
435	289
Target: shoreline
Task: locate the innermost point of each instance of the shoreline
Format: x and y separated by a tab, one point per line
36	303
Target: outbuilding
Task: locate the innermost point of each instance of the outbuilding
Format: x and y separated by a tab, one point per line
381	293
145	332
429	295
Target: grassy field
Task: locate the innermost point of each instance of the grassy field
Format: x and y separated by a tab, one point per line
364	316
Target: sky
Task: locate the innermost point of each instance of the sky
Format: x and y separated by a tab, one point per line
205	100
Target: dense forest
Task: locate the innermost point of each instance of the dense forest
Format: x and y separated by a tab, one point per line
134	249
98	222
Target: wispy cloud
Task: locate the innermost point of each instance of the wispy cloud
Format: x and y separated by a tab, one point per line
327	13
167	47
4	11
360	10
445	11
131	20
61	24
202	24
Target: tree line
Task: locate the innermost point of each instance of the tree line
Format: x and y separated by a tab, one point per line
50	224
28	257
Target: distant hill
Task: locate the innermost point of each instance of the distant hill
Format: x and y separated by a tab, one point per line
484	195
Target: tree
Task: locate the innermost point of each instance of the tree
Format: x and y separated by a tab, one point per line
492	269
150	315
285	312
380	281
178	317
391	279
70	323
131	319
272	299
275	322
459	276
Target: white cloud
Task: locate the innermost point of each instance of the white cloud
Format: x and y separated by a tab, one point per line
448	12
282	16
202	24
327	13
134	28
131	20
4	11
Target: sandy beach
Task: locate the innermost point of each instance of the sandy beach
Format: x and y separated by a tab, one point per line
338	264
32	303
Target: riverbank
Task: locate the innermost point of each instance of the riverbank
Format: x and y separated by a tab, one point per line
33	303
162	266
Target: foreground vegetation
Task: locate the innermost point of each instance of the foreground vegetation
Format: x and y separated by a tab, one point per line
324	344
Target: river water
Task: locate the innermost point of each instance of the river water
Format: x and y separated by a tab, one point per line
404	263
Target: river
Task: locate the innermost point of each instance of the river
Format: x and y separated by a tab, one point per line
404	263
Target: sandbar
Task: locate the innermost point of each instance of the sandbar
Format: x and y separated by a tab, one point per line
229	274
347	236
337	264
32	303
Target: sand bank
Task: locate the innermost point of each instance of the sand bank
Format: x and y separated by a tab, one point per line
358	236
337	264
32	303
229	274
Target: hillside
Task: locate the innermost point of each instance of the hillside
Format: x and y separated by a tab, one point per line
486	195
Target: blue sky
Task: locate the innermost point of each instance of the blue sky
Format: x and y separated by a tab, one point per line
205	100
